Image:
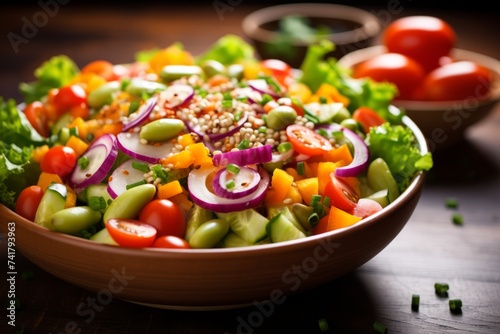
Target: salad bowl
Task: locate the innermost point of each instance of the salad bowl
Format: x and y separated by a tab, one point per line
209	279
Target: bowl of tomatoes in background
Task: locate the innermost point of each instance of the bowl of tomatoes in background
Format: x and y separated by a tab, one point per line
444	89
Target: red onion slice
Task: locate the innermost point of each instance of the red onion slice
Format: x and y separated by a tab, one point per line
251	94
101	155
218	136
130	144
261	86
122	176
359	162
253	155
176	95
206	199
141	115
245	182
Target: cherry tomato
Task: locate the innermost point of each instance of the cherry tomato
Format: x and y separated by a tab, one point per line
457	81
368	118
171	241
67	97
306	141
341	194
59	160
366	207
401	70
424	38
102	68
165	216
36	112
27	202
278	69
131	232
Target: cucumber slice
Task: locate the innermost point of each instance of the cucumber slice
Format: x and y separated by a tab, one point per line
280	228
53	200
381	196
98	190
103	237
380	177
324	112
233	240
247	224
288	213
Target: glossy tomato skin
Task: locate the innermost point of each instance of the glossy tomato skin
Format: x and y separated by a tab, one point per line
278	69
165	216
67	97
341	194
457	81
171	241
59	160
306	141
131	232
423	38
27	202
36	113
401	70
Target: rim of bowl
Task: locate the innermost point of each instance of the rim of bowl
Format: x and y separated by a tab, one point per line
355	57
415	185
370	24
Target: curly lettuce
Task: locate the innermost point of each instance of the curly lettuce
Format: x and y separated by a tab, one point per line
396	145
228	49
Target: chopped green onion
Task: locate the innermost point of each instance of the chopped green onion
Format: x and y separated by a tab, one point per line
230	184
159	172
315	200
326	201
323	325
301	169
135	184
311	118
202	92
244	144
262	129
227	103
73	131
90	137
323	100
313	219
455	305
452	203
379	328
97	203
457	219
142	166
232	168
441	288
415	302
284	147
83	162
265	98
133	107
237	116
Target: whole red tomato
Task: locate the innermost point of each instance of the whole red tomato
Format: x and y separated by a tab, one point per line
165	216
68	97
457	81
396	68
59	160
27	202
424	38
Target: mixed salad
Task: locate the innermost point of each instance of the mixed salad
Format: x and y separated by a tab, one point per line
220	149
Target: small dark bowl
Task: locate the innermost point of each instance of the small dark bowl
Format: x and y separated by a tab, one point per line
353	29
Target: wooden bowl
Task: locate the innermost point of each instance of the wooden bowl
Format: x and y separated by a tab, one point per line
353	28
209	279
443	123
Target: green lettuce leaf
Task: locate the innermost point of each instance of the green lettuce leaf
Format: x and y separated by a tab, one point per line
228	49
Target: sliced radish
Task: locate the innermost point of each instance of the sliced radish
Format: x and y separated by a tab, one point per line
253	155
140	115
202	196
176	95
130	144
229	185
122	176
100	157
217	136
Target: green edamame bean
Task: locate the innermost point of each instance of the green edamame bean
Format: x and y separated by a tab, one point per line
379	177
75	219
129	204
103	94
209	233
351	124
281	117
138	87
161	129
173	72
213	67
341	115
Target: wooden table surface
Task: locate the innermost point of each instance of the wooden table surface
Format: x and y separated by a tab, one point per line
429	249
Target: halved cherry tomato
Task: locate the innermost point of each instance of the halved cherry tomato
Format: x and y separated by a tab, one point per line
306	141
278	69
131	232
27	202
165	216
341	194
36	112
399	69
59	160
171	241
102	68
423	38
67	97
368	118
457	81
